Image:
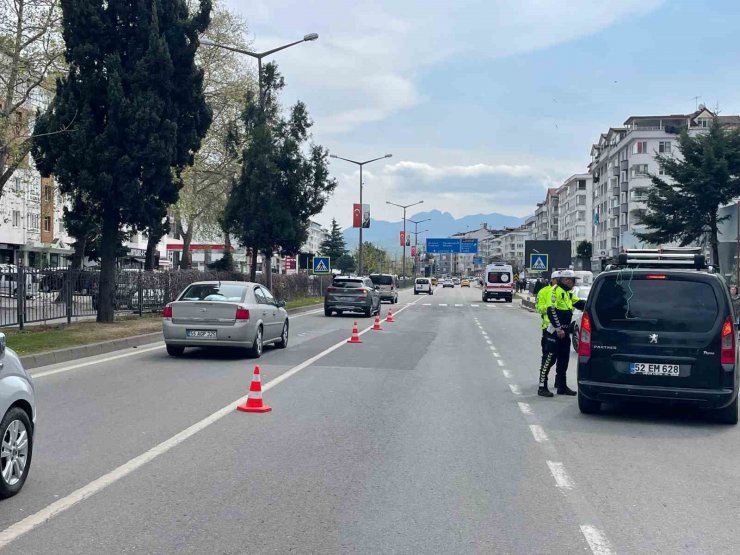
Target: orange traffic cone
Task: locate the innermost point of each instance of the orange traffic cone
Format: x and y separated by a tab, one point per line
254	400
376	326
390	316
355	336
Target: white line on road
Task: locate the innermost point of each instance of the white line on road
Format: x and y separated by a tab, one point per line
489	341
561	476
496	354
458	305
27	524
493	348
525	408
515	389
427	304
500	362
538	433
441	304
507	374
130	353
475	305
596	540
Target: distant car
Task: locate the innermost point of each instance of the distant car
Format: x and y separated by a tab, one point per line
423	285
448	283
465	283
435	281
352	294
225	314
456	281
17	427
388	285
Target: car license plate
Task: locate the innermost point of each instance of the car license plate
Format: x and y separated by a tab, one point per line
654	369
201	334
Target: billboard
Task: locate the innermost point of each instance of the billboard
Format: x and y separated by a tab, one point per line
545	256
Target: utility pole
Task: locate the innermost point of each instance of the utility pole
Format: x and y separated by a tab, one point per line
404	206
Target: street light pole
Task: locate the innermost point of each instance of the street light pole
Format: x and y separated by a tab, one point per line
416	241
259	56
361	164
404	206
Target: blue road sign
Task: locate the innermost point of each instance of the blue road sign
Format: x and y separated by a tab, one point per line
321	265
539	262
477	260
469	246
445	245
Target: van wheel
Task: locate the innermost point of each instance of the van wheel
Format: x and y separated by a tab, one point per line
327	312
588	406
175	351
727	415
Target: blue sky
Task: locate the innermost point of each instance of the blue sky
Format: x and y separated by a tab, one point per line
484	104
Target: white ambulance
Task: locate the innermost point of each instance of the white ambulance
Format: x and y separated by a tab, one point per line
498	282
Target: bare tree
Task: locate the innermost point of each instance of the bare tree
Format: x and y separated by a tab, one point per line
207	183
31	54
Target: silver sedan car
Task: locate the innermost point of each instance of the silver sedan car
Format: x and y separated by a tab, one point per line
225	314
18	413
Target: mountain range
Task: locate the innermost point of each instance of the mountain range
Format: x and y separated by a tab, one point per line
386	234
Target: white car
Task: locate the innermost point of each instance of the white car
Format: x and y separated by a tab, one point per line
423	285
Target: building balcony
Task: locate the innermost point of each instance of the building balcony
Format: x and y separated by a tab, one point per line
624	187
615	190
615	232
624	228
624	208
624	164
615	171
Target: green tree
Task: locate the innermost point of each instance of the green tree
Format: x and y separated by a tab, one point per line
705	177
133	100
334	246
345	263
585	249
375	259
284	179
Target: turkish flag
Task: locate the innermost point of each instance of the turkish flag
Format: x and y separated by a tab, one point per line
413	250
356	215
403	237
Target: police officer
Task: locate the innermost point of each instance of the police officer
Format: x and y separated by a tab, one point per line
556	341
543	299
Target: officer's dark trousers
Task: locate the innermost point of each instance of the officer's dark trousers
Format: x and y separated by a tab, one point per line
563	356
554	350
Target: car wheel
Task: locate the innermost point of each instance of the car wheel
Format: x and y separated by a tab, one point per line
588	406
416	292
255	351
509	300
283	341
17	448
327	312
727	415
574	338
368	312
175	351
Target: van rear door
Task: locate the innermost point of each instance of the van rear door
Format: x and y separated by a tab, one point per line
660	329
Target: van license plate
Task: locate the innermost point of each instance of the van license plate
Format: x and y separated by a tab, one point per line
654	369
201	334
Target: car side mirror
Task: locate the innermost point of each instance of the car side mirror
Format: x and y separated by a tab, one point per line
2	344
281	303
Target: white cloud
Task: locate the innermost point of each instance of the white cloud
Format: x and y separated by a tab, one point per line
429	172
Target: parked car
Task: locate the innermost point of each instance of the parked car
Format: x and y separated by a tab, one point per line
9	282
654	331
423	285
234	314
388	285
352	294
18	423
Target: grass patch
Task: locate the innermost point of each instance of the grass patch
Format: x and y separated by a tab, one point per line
304	301
38	339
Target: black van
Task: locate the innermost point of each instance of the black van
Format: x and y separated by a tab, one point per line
660	334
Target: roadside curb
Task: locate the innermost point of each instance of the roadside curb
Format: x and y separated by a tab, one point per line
83	351
528	305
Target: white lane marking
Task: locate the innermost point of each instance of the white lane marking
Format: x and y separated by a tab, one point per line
507	374
441	304
475	305
596	540
14	531
130	353
558	472
489	341
496	354
493	348
515	389
500	362
458	305
307	313
427	304
525	408
538	433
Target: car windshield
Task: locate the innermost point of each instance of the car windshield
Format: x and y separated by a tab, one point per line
347	283
382	280
214	292
498	277
671	304
422	281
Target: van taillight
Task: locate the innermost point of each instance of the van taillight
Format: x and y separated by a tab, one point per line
584	341
656	276
242	314
167	312
727	352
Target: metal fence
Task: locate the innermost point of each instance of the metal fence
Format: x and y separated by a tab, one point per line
30	295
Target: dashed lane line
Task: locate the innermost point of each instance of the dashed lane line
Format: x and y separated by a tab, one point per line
562	480
596	540
515	389
507	374
525	408
500	362
538	433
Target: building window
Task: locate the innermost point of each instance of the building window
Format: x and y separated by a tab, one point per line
60	226
581	184
639	147
16	218
639	169
18	188
33	222
664	146
47	223
48	194
661	171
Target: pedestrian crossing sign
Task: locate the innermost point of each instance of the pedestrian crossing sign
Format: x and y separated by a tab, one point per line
539	262
321	265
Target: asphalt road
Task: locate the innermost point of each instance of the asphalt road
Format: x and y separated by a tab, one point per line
426	438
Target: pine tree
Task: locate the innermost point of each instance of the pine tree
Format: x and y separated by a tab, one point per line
334	246
705	177
133	100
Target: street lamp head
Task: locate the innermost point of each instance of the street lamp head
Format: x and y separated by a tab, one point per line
333	156
388	156
311	36
207	42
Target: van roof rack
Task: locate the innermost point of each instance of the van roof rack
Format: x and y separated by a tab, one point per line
667	257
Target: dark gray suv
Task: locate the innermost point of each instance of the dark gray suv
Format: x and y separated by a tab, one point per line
662	335
352	294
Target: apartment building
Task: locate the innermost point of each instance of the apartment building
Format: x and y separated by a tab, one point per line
575	198
512	244
621	163
546	217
